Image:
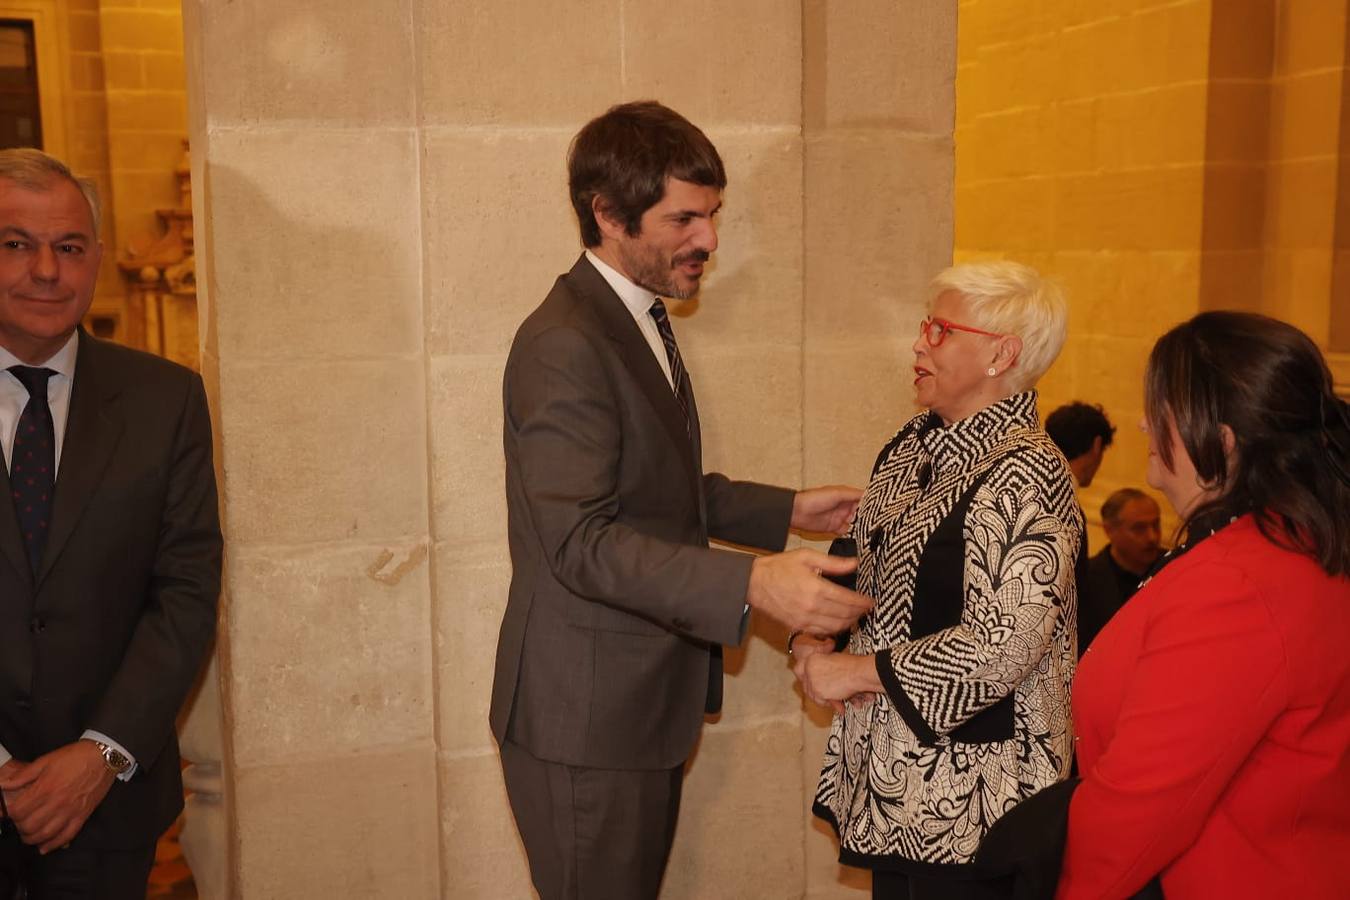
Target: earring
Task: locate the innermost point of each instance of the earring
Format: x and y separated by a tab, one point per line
991	371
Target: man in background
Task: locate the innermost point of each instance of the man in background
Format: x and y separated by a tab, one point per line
1082	433
1132	522
611	644
110	554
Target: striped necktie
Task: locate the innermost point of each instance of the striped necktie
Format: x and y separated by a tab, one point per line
677	373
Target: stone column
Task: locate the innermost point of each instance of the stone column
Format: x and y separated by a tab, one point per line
383	200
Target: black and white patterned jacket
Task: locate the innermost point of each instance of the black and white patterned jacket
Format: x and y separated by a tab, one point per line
967	537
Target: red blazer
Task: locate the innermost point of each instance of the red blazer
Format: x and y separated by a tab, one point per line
1213	715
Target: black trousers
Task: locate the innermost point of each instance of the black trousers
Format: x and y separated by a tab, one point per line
73	874
898	886
592	834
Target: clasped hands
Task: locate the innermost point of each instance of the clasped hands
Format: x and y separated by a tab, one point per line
52	797
789	588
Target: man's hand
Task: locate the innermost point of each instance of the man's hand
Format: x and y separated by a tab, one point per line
833	678
788	587
825	509
51	798
11	769
803	648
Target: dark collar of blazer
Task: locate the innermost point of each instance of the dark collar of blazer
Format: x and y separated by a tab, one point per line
637	357
92	432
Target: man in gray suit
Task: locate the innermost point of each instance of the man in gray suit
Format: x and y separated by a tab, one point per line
611	645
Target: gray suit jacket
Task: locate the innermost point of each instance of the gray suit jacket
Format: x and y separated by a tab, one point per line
610	651
112	631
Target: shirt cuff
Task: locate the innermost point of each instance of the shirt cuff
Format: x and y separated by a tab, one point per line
5	755
102	738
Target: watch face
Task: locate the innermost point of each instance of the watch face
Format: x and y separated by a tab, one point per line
116	761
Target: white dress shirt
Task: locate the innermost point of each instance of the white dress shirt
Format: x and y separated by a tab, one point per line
13	398
639	301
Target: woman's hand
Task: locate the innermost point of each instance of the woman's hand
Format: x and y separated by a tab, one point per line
831	679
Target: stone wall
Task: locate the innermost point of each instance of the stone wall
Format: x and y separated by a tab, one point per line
381	198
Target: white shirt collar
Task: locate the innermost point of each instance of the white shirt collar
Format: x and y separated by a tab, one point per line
62	361
639	300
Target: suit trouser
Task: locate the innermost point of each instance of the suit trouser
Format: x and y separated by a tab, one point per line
75	874
592	834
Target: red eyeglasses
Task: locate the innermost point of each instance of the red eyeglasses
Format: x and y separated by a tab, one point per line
934	330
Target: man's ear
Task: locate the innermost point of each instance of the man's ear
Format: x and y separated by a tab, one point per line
1097	444
610	227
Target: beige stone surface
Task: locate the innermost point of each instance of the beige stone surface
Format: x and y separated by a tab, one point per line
741	829
468	470
339	826
859	393
875	65
300	442
347	64
519	62
354	291
499	230
471	582
329	643
482	857
755	43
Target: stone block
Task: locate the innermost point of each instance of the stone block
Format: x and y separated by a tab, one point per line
752	291
468	470
471	581
1301	110
338	826
302	61
894	194
1308	36
1154	127
1234	207
147	111
124	70
758	48
740	831
1237	122
483	858
323	451
157	152
355	290
1146	209
142	29
86	72
1232	279
483	192
858	393
1006	216
1027	73
331	643
759	683
83	31
561	70
1301	203
876	64
165	71
1298	289
1242	39
750	409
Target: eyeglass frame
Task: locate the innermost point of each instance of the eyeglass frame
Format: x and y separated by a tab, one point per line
946	325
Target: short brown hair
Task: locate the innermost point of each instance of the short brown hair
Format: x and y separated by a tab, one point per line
625	156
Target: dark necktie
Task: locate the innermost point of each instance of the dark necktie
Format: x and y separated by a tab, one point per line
677	375
32	468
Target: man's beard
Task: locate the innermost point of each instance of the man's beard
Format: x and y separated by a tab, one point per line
649	269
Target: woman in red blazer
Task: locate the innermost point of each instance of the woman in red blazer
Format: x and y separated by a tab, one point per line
1213	712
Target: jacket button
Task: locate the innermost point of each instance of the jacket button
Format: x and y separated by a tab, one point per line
37	625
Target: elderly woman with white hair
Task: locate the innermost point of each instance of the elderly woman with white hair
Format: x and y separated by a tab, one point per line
952	698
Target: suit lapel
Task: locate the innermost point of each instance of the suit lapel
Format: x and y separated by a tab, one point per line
11	540
637	357
92	432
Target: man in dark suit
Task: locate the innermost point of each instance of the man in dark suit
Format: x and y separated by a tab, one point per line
110	553
1133	525
610	647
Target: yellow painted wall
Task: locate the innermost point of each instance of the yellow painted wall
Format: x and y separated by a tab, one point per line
1157	158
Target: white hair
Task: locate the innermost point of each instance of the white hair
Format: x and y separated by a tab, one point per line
35	170
1010	298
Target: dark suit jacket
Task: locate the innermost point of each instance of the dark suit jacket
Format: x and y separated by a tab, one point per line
113	630
609	652
1099	597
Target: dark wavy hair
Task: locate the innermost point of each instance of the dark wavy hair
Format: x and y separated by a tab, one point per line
625	156
1267	382
1073	426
